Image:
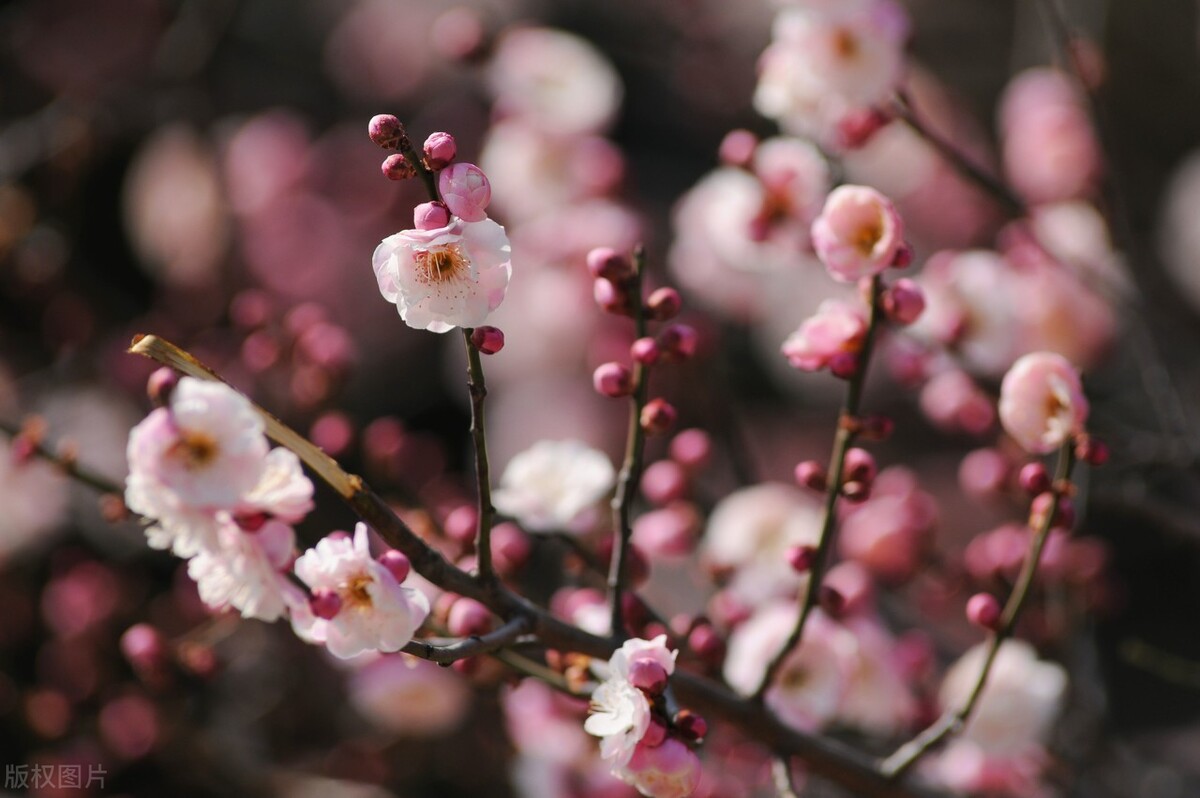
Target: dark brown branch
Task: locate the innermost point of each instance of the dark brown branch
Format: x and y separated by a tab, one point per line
486	512
495	640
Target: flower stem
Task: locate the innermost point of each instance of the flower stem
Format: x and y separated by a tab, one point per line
483	530
846	432
952	722
631	469
66	462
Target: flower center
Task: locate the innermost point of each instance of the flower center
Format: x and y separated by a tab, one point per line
442	264
793	678
355	593
867	237
194	450
845	44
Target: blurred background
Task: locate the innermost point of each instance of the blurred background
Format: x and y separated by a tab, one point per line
199	169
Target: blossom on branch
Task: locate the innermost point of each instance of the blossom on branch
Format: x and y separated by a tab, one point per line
452	276
1042	403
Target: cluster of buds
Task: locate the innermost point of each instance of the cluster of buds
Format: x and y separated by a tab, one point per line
617	290
858	474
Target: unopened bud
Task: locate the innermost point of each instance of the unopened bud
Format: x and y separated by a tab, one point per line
811	474
648	676
678	341
1034	479
843	365
385	130
468	617
645	351
904	302
160	385
325	603
487	339
904	256
690	725
431	216
664	303
613	380
983	609
609	264
658	416
801	558
440	150
1092	451
737	148
396	563
395	167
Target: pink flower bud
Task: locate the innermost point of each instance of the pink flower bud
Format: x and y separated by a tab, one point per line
859	466
394	167
737	148
467	618
385	130
1092	451
461	524
648	676
613	379
858	127
440	150
668	532
904	302
691	448
858	233
664	303
678	341
325	603
396	563
904	256
664	482
487	339
656	732
612	297
801	558
983	609
658	416
511	548
1033	479
707	644
645	351
609	264
690	725
844	365
1064	516
431	216
877	428
811	474
466	191
984	473
160	385
832	601
144	648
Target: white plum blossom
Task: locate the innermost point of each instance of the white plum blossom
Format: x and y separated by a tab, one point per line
283	492
620	716
829	60
750	531
247	570
635	650
453	276
811	684
1001	748
199	456
554	485
375	612
408	696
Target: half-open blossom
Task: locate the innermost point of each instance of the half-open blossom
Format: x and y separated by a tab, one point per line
838	328
554	486
1041	402
201	455
858	233
450	277
246	570
375	613
466	191
667	770
636	650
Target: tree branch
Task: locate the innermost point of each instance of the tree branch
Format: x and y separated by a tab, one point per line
495	640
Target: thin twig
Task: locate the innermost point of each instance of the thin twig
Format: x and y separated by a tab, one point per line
952	722
65	462
631	469
483	530
473	646
846	432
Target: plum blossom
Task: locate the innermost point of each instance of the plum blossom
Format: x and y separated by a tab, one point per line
1001	747
454	276
828	61
620	715
812	681
1042	404
554	486
750	531
408	696
838	328
667	770
858	233
375	613
247	570
201	455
